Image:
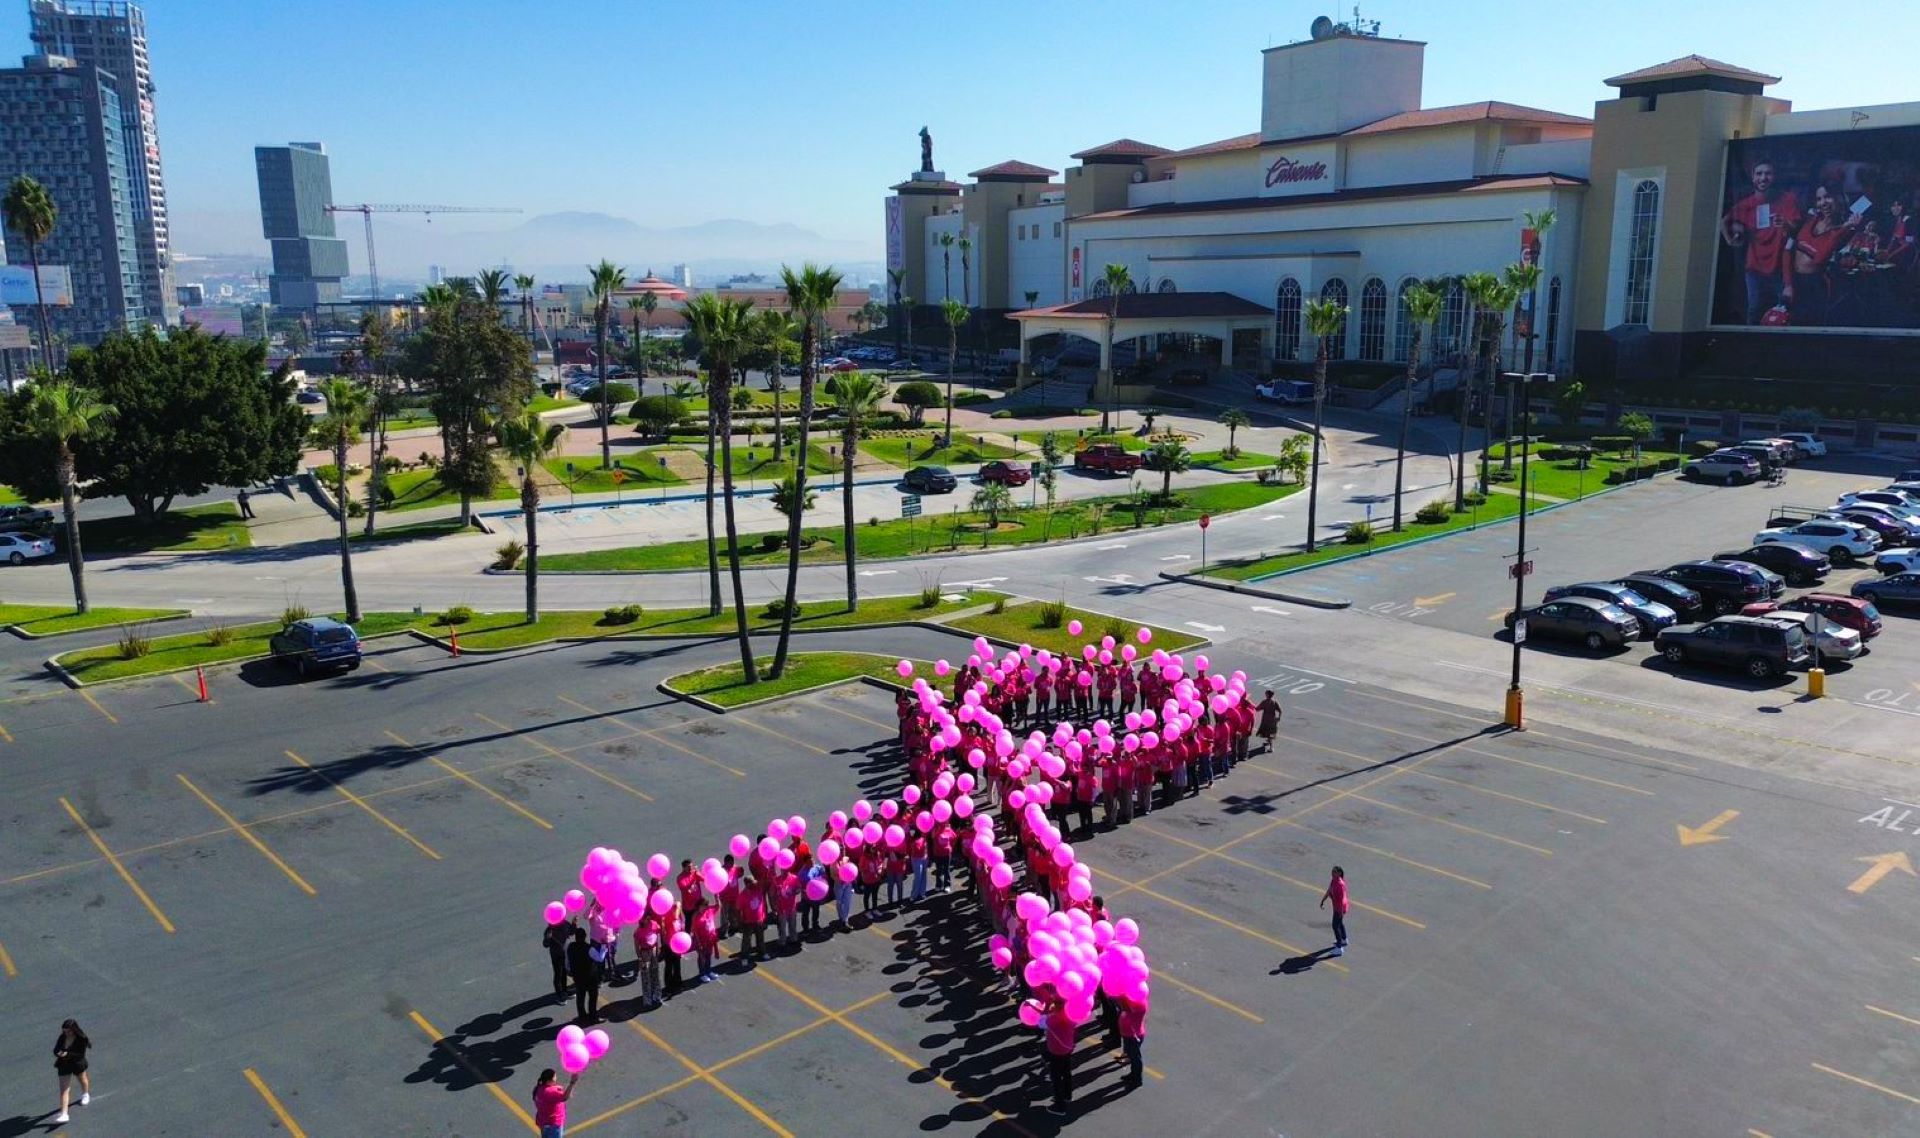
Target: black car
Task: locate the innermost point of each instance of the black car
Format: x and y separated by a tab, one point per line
1686	604
1798	564
1725	586
931	480
24	517
1892	530
1760	647
1597	624
1652	615
1899	589
1767	458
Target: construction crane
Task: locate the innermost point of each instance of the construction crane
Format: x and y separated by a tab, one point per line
367	211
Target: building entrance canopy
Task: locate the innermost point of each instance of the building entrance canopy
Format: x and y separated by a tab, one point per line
1215	314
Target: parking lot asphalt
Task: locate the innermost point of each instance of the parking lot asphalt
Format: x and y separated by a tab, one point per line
314	907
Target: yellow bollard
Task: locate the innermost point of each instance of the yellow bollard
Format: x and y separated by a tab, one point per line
1515	706
1816	682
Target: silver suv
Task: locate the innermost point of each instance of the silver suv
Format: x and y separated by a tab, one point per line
1726	466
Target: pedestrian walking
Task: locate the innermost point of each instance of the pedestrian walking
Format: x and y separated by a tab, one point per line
555	938
1337	893
246	506
1269	710
70	1062
550	1104
586	976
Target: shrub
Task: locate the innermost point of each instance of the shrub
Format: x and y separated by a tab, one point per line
356	508
219	635
1701	448
429	461
458	614
1115	627
1476	498
1053	614
777	608
616	393
1433	513
1359	533
391	464
1002	415
133	642
1615	443
328	474
508	555
999	606
929	596
873	521
967	398
292	614
386	495
621	614
772	541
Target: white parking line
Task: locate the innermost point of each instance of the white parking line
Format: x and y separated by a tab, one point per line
1309	671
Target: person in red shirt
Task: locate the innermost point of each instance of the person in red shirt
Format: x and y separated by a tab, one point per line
1086	787
1108	772
706	938
1129	689
1042	696
942	850
670	924
1829	226
689	886
1133	1037
870	873
753	920
550	1104
1764	222
1107	682
896	873
1337	893
786	908
730	898
1059	1039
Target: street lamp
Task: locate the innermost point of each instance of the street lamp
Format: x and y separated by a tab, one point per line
1515	717
569	485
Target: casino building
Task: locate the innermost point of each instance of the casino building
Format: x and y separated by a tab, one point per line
1350	190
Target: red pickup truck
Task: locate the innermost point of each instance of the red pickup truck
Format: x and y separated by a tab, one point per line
1110	458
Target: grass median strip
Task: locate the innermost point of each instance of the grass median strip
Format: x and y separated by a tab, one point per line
726	684
52	620
1043	624
187	649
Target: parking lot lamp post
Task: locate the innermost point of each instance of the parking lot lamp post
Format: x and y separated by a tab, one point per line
1516	698
569	484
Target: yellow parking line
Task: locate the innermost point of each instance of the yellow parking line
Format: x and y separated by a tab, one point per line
475	783
1390	855
1216	1001
118	866
1892	1015
1273	873
890	727
777	734
350	796
1889	1091
739	1100
279	1112
1512	797
1451	824
6	963
252	840
1471	749
654	735
566	758
438	1040
88	696
5	734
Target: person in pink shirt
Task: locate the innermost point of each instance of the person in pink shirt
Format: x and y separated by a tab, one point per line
1337	893
706	938
753	921
1133	1037
550	1104
730	898
786	908
1060	1038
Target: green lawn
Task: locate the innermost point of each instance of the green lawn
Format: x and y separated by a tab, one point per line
939	528
216	525
171	653
1245	460
1070	441
52	620
1562	478
407	418
892	449
1497	506
642	469
10	497
1048	411
415	532
726	684
419	489
1022	624
551	403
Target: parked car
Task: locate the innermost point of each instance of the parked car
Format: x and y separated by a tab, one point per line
1781	450
1291	391
1900	503
931	480
1800	565
1828	639
1890	529
1652	615
24	517
315	644
1686	604
1809	445
902	366
1724	586
1107	458
308	395
1842	541
1905	559
1006	473
1898	589
1767	456
1730	467
1848	612
1760	647
1909	475
1598	624
18	548
840	366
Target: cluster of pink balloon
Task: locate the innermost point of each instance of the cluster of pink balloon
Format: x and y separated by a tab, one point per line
579	1048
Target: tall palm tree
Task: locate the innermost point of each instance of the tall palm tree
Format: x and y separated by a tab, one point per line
906	306
339	429
62	413
1325	320
956	315
523	284
30	211
1233	418
810	295
1483	291
858	395
493	286
373	355
1423	308
723	328
895	277
1540	222
946	265
774	330
1118	280
605	280
1498	300
1524	280
649	303
528	440
635	308
1472	285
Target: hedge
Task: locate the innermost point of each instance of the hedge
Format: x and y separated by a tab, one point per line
1640	470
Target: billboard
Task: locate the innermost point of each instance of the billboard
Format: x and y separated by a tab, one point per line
896	236
216	320
1817	231
16	285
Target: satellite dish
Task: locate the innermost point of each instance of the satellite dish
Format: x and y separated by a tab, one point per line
1322	28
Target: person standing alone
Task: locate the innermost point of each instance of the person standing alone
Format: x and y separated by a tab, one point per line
1269	710
70	1061
550	1104
1337	893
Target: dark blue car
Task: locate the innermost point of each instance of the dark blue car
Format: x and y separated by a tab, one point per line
316	644
1652	615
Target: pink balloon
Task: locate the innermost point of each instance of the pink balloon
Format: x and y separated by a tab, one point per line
555	912
856	837
716	879
575	900
661	902
863	810
784	859
777	830
1126	930
1200	663
680	942
739	845
572	1035
889	809
848	871
895	835
829	852
574	1060
837	821
963	806
941	667
905	668
871	831
817	889
923	821
1073	628
1146	635
597	1043
767	848
1079	888
1002	875
1030	1013
659	866
1063	855
1127	653
797	826
911	794
1002	957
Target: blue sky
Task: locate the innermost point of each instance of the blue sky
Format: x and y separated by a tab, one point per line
673	114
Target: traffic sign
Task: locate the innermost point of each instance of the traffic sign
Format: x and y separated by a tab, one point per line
1034	468
619	476
1206	520
910	506
1520	631
1522	569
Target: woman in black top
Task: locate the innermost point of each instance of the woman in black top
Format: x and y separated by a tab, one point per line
69	1060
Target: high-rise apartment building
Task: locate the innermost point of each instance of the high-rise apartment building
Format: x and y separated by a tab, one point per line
112	36
296	187
61	123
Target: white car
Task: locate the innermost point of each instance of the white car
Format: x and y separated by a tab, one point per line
19	548
1831	640
1896	502
1905	559
1285	391
1809	446
1842	541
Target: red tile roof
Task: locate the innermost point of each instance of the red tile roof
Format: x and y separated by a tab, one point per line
915	187
1123	148
1489	111
1237	142
1365	193
1154	306
1014	169
1691	65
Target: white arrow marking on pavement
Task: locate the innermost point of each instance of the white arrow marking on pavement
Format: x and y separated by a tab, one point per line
1112	545
1206	627
1179	557
1347	486
982	582
1116	579
1269	608
877	572
1273	517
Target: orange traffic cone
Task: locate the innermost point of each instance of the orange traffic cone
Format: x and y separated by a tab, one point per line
453	636
201	675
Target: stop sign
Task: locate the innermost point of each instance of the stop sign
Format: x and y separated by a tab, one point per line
1206	520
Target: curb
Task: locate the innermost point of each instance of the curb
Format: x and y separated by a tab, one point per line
709	705
68	678
1248	590
173	615
441	642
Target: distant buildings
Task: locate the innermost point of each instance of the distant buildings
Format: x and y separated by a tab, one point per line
190	295
296	187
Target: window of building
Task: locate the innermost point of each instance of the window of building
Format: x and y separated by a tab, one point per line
1373	319
1402	322
1167	285
1056	229
1453	319
1099	289
1553	320
1646	218
1286	320
1335	292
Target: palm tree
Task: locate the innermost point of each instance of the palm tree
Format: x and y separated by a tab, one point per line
1524	280
528	440
946	265
373	353
1325	320
1118	280
1423	302
992	499
1497	301
1170	456
684	389
493	286
1540	223
30	211
723	328
60	413
523	284
339	429
1481	291
858	395
1468	284
773	330
634	307
906	306
956	315
606	279
894	279
810	295
1233	418
1033	297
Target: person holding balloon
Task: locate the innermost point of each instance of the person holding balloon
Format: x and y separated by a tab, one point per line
550	1104
706	938
646	955
586	976
1132	1018
555	938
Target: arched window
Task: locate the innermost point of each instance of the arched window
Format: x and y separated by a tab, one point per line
1646	219
1099	290
1335	292
1553	321
1373	319
1166	285
1129	288
1453	319
1402	322
1286	321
